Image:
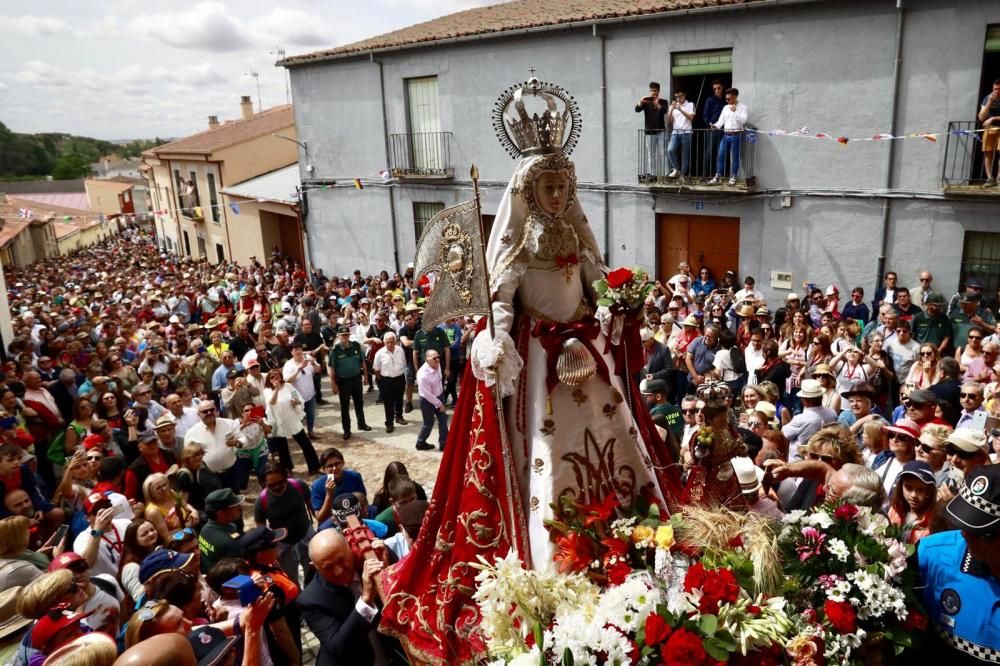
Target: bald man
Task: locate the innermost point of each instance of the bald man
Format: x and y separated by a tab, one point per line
340	621
161	650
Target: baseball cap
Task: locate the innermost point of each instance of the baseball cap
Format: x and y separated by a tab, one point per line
651	386
922	397
96	502
66	560
93	441
935	298
920	470
262	538
969	440
224	498
160	561
210	645
976	508
50	624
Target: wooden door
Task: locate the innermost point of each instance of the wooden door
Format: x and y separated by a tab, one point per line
700	240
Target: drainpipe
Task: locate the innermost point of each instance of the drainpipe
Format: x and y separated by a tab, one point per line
301	211
891	160
385	138
604	146
177	211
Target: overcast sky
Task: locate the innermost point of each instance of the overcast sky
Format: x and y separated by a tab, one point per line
124	69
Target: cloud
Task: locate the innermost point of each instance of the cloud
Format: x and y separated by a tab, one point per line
207	26
36	26
2	85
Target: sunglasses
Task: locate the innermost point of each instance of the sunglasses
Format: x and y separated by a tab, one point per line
94	458
755	424
970	395
927	353
927	450
828	459
975	337
182	535
139	394
689	411
280	485
902	438
959	453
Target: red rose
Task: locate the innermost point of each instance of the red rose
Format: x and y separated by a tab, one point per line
753	610
846	512
657	630
619	277
842	616
695	577
719	587
915	620
684	648
618	571
736	542
599	511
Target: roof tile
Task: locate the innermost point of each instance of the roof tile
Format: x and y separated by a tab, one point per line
230	133
506	16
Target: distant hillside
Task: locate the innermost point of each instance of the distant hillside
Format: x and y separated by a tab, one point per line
61	156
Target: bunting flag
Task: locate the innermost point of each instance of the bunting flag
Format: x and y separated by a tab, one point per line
358	185
235	207
24	213
386	176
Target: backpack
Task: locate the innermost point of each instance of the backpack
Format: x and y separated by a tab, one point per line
299	486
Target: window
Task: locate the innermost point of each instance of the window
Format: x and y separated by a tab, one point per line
187	244
179	187
981	259
213	198
422	214
702	62
220	252
425	122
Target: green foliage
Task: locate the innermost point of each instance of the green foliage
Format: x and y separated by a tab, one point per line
28	156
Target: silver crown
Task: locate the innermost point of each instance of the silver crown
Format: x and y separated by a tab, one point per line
555	130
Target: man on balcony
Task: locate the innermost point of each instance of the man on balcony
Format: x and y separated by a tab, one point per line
679	117
731	121
711	111
989	116
655	112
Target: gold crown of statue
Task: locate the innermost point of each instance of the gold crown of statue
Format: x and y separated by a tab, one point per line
714	393
523	133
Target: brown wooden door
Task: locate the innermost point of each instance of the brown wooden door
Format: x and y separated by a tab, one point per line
700	240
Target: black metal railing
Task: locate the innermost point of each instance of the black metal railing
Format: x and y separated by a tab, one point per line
691	158
421	155
964	168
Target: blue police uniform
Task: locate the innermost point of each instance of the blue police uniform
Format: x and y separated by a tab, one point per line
962	599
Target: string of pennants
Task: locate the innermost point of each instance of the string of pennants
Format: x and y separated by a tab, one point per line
805	133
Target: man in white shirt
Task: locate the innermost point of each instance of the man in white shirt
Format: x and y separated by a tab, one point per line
754	355
430	389
679	117
389	365
903	350
103	542
749	292
219	438
732	121
298	371
813	417
184	418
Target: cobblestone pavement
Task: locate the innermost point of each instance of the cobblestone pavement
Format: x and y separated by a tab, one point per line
366	452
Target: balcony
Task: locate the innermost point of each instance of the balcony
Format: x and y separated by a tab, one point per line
964	171
653	165
421	155
191	206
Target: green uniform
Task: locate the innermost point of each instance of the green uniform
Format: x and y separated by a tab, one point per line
930	329
346	363
424	342
961	324
217	541
673	416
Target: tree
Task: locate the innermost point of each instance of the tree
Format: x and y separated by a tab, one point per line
70	167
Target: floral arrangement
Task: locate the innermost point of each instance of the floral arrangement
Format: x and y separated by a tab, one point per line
624	287
624	591
846	571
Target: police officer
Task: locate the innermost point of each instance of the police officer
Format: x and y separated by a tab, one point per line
220	537
960	571
346	364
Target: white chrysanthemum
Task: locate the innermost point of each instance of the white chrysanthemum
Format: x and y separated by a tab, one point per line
838	549
880	598
819	518
794	517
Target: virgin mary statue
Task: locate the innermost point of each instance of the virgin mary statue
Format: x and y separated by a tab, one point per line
549	400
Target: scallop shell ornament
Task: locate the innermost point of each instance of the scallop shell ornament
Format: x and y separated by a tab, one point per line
575	364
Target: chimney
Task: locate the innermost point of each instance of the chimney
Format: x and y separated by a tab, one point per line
213	122
246	106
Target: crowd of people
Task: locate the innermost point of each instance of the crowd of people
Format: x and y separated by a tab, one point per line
895	408
144	397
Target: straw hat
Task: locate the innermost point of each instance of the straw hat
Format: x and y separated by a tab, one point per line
745	310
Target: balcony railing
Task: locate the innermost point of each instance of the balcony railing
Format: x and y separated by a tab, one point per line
658	165
421	155
189	204
964	169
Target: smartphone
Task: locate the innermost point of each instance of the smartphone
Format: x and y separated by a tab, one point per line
248	590
257	413
57	537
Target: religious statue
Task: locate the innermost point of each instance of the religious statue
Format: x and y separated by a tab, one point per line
550	411
711	479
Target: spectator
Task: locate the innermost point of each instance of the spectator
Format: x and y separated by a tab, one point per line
152	460
710	113
732	122
283	504
856	308
285	411
912	503
346	365
855	484
989	116
903	437
141	539
679	116
654	114
163	508
218	438
430	387
389	366
813	417
932	326
103	544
